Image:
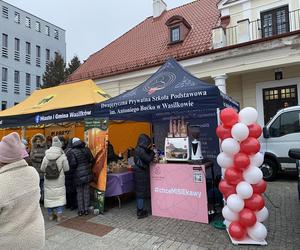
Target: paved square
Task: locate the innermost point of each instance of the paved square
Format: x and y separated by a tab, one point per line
121	229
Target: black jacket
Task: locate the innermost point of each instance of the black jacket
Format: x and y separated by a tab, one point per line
143	156
69	175
81	160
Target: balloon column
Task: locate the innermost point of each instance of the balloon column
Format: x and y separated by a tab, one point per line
242	184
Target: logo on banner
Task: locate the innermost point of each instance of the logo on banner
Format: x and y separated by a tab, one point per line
37	119
44	101
159	82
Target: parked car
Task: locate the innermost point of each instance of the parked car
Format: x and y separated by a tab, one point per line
294	153
280	134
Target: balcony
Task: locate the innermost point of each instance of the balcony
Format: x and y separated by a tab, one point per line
246	31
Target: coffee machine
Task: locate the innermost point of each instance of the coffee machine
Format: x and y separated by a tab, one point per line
196	153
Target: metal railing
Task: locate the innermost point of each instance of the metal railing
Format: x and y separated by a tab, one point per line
255	29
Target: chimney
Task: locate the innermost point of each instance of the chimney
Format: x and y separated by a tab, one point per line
159	6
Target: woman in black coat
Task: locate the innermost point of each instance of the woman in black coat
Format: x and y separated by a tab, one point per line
81	160
143	155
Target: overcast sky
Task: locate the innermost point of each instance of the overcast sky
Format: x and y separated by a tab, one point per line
91	24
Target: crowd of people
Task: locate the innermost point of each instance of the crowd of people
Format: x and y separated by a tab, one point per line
64	168
60	175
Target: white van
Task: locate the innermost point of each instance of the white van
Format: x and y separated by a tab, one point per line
280	134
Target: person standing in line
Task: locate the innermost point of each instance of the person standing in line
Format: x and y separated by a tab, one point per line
25	154
48	141
81	159
54	165
143	156
70	185
21	219
37	154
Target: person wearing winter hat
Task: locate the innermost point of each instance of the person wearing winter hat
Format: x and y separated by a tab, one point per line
54	165
81	159
19	199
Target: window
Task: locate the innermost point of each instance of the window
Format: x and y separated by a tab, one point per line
38	82
285	124
4	40
47	56
17	49
4	79
4	45
47	30
56	34
175	34
28	87
275	22
17	17
4	74
38	56
17	44
28	52
17	82
277	98
27	22
38	26
3	105
4	11
274	128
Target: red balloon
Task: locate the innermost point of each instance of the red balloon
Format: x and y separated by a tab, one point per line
236	230
255	130
229	117
241	161
226	189
223	132
247	218
259	187
250	146
233	176
255	203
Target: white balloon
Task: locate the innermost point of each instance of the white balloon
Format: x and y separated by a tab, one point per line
248	115
224	160
252	175
230	146
235	203
229	215
257	160
240	131
258	232
262	214
244	190
227	223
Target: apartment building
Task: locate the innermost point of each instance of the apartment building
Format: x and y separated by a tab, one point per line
28	43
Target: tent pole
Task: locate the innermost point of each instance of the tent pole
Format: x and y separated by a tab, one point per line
23	132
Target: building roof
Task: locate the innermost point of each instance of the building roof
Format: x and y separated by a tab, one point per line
147	44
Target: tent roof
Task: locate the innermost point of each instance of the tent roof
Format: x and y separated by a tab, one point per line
60	97
70	102
171	89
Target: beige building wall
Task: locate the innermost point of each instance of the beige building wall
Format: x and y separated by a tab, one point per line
243	87
251	9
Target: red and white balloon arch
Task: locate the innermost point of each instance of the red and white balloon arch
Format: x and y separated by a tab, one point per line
242	184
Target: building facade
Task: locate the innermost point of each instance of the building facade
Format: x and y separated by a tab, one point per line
249	48
28	43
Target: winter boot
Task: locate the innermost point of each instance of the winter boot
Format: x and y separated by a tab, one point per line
59	218
142	214
51	217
